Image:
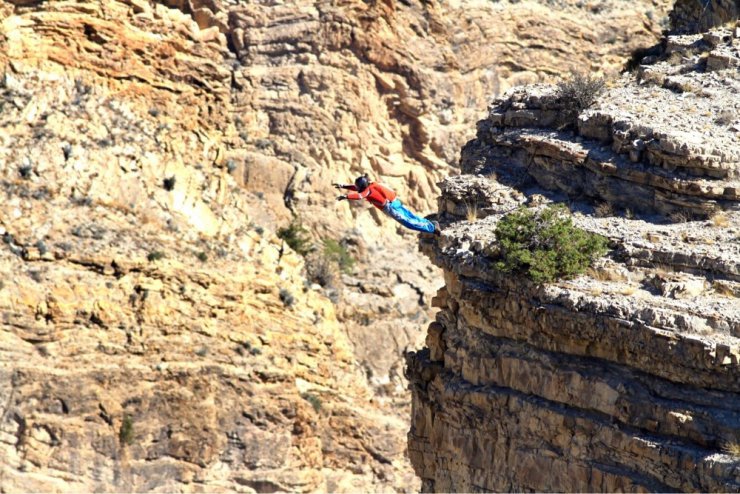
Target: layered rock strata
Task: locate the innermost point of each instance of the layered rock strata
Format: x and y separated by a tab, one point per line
155	333
626	378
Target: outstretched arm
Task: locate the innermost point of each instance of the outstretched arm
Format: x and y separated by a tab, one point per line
344	186
354	196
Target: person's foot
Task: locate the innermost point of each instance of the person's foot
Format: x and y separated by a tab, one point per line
437	229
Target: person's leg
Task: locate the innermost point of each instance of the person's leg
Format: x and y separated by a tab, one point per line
403	215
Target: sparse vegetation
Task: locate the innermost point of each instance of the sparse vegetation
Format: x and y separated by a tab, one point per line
155	255
41	246
25	171
202	256
605	274
314	400
720	220
202	351
471	211
230	166
726	117
628	290
322	271
169	183
295	236
36	275
263	144
725	289
731	448
286	298
336	252
603	210
680	216
580	91
126	432
545	245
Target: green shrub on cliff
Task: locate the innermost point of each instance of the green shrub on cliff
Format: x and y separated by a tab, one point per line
296	237
545	245
580	91
336	252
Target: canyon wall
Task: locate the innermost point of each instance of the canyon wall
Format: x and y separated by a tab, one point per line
626	378
156	333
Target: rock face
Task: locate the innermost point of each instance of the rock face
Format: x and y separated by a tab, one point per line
693	16
626	378
155	334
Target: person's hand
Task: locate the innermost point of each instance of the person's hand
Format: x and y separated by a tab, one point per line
341	198
337	186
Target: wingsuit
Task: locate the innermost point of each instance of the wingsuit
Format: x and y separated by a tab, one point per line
386	200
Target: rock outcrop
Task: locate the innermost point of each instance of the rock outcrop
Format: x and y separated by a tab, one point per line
155	333
694	16
626	378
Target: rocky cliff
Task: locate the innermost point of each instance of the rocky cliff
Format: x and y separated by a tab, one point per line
155	333
626	378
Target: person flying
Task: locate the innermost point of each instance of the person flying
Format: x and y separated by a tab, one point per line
386	200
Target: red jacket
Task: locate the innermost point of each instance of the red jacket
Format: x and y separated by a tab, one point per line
377	194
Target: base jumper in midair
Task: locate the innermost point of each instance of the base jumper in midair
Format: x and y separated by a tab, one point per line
385	199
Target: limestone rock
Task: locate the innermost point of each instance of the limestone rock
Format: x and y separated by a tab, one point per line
626	377
156	334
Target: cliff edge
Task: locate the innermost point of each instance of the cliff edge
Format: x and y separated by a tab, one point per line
626	378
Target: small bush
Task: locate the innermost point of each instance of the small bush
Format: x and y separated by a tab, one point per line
169	183
580	91
286	297
321	270
314	400
471	211
680	216
263	144
603	210
155	255
720	220
732	448
202	351
726	117
202	256
295	236
25	171
126	432
41	246
67	150
230	166
338	253
545	245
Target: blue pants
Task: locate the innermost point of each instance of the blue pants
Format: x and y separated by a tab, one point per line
400	213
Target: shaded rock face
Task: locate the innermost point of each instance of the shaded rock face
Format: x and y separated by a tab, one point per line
626	378
155	333
695	16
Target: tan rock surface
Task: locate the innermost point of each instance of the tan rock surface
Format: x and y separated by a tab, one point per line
626	378
195	129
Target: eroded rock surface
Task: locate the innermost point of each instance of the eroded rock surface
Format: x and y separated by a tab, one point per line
626	378
156	334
